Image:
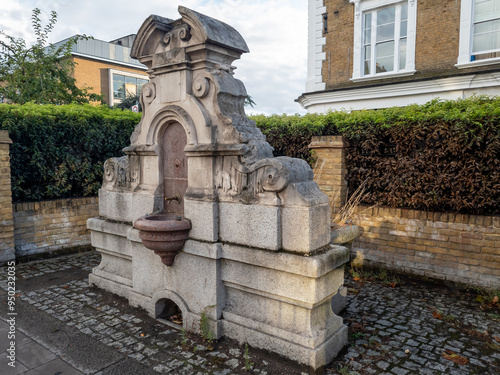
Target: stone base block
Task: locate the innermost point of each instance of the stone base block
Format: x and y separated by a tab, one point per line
250	225
119	288
208	228
306	229
127	207
258	335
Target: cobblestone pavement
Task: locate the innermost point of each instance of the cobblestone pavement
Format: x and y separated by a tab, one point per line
417	328
407	329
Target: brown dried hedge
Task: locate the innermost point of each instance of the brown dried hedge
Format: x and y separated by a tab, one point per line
443	156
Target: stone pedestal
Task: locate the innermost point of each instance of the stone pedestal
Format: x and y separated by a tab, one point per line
258	262
330	168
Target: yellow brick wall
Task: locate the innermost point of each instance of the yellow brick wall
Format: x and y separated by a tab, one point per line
329	168
53	225
94	74
6	220
455	247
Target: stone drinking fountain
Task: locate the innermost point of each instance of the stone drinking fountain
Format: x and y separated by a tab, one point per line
242	237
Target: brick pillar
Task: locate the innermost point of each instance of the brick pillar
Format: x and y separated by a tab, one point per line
330	168
7	249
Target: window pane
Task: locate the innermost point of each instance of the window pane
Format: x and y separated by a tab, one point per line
386	15
402	54
118	86
367	67
385	64
404	27
141	82
404	12
368	21
486	42
131	80
385	32
131	89
385	49
485	27
367	36
486	10
367	51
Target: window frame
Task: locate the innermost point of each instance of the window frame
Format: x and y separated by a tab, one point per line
362	7
466	35
125	74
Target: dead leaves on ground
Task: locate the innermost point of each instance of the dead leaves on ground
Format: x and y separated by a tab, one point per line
436	315
454	357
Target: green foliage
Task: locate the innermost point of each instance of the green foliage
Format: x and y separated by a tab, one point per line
184	337
249	101
291	135
59	151
41	74
205	330
246	355
441	156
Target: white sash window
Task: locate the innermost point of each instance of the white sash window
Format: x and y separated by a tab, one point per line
384	39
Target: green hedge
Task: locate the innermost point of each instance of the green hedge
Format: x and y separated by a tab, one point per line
59	151
441	156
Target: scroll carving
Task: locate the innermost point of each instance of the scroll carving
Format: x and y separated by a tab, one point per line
201	87
148	92
267	175
121	173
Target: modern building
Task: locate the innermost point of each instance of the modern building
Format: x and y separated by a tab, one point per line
107	67
382	53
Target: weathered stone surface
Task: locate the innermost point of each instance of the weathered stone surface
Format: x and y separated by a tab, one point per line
250	225
126	207
303	228
208	228
257	263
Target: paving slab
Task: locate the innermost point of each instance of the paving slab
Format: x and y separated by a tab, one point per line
56	367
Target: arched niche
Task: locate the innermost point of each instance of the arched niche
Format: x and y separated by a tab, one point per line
169	114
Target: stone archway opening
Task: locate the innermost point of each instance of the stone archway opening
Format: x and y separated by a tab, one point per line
168	312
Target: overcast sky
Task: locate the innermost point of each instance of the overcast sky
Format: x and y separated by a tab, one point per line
274	72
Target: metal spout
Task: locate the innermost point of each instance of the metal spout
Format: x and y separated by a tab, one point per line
177	197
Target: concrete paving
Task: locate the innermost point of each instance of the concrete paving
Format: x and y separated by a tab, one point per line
64	327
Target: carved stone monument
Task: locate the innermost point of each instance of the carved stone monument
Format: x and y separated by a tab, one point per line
258	259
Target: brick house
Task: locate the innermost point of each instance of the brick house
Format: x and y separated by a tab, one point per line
107	67
382	53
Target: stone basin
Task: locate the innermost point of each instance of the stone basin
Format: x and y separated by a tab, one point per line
165	234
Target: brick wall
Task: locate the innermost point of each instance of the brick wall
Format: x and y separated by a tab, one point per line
6	222
436	47
47	226
329	168
95	74
337	67
447	246
454	247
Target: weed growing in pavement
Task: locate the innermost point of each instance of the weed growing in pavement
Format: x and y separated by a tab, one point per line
380	274
357	335
486	297
344	370
373	341
184	339
246	354
206	333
